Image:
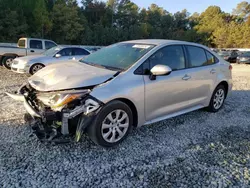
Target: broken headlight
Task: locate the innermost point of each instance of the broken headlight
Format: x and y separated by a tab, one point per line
59	99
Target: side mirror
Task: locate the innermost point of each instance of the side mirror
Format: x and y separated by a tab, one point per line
58	55
159	70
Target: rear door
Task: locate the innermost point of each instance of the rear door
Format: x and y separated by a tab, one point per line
202	69
35	47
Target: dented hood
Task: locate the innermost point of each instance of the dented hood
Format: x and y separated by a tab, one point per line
69	75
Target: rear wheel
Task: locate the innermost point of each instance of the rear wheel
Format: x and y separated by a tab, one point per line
217	99
36	67
112	124
7	61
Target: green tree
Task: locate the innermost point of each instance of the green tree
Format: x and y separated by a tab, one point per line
66	23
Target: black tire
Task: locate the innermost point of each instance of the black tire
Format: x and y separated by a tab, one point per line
212	106
95	130
6	61
33	68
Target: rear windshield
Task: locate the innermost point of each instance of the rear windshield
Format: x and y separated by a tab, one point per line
21	43
246	54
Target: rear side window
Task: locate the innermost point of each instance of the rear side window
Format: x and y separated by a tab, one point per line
49	44
197	56
36	44
80	51
211	59
21	43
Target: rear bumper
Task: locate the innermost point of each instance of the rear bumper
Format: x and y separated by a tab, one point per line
243	62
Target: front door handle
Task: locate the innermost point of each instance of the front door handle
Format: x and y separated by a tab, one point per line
32	51
186	77
213	71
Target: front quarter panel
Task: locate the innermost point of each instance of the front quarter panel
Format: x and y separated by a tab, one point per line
126	86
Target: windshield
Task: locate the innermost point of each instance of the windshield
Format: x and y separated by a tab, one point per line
52	51
118	56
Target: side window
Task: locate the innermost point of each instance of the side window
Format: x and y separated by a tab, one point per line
210	59
66	52
143	69
80	51
49	44
197	56
36	44
172	56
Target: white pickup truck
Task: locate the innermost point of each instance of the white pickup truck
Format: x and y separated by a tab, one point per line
25	46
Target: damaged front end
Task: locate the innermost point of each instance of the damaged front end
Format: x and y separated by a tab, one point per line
55	115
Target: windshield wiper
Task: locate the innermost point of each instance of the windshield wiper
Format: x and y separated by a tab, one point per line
102	66
113	68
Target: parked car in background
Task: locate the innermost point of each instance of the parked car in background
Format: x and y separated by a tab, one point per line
230	56
92	48
124	85
244	58
32	64
25	46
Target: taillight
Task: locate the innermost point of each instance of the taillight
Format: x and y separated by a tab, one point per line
230	67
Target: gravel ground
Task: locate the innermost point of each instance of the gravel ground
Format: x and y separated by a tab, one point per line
199	149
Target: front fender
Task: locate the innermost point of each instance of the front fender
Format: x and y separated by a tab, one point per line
126	87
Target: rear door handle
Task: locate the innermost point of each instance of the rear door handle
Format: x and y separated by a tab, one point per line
32	51
186	77
213	71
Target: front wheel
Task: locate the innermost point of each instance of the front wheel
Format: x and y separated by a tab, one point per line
36	67
7	61
112	124
217	99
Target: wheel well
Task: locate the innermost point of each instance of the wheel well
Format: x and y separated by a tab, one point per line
6	55
34	65
225	84
133	108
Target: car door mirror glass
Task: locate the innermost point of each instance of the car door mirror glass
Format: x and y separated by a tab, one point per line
58	55
160	70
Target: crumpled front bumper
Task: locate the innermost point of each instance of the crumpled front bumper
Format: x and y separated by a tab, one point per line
26	104
39	120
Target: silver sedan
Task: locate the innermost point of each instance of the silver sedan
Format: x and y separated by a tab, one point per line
125	85
31	64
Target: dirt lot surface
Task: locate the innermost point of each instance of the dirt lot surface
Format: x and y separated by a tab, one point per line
199	149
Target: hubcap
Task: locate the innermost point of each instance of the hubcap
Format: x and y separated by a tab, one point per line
36	68
115	126
219	98
9	62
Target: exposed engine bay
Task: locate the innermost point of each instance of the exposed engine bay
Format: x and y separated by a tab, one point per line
55	115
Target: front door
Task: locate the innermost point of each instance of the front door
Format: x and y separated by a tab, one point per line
171	93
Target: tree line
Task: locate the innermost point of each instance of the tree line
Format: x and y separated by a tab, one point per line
94	22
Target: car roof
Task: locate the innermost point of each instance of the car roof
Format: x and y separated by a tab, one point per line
161	42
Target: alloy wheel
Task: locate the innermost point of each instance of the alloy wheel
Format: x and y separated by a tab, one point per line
36	68
219	98
115	126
